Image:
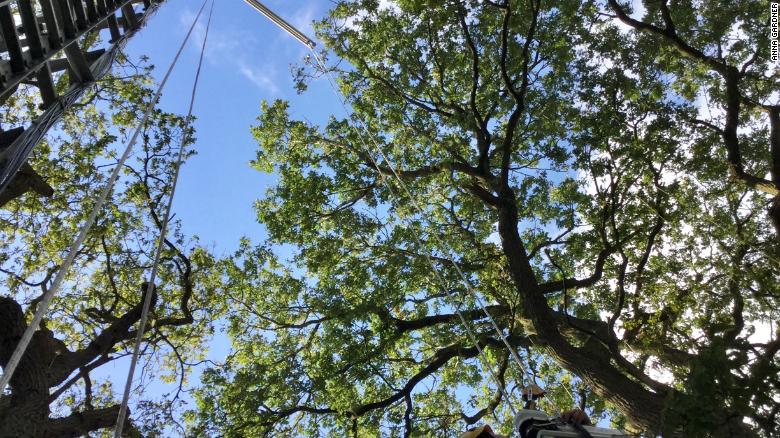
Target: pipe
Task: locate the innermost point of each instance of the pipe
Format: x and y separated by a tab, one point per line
279	21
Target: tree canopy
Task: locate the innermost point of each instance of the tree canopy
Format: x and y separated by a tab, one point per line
606	178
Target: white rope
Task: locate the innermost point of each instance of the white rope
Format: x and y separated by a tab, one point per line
43	306
418	207
163	232
415	203
447	254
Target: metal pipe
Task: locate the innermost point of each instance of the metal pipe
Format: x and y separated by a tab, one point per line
279	21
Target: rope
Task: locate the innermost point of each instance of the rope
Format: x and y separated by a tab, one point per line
43	306
469	287
447	254
418	207
515	355
163	232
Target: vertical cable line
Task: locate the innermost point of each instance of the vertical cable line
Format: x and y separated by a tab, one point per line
43	306
448	255
163	232
417	206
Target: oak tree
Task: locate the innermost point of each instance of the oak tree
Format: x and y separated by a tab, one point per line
607	179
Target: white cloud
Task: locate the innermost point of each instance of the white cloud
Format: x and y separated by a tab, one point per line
263	78
223	48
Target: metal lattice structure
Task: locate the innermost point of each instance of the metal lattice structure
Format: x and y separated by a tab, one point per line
39	39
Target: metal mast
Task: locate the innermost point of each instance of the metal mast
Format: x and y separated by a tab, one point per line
279	21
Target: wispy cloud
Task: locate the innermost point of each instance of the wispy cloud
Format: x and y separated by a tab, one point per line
226	47
304	18
263	78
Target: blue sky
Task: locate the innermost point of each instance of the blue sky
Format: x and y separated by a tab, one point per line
247	60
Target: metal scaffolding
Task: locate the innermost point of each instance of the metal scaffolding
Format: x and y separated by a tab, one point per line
39	38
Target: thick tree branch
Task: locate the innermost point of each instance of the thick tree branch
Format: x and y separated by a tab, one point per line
591	362
574	283
410	174
103	344
669	34
481	130
439	359
518	95
83	422
731	76
497	396
774	149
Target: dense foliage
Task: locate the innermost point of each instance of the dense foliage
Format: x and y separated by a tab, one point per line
605	179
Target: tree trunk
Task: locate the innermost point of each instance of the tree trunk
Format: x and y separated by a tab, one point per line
592	362
25	413
27	410
774	214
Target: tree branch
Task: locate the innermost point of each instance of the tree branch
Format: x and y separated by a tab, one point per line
83	422
118	331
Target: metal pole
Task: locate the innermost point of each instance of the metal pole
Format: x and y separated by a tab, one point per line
279	21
